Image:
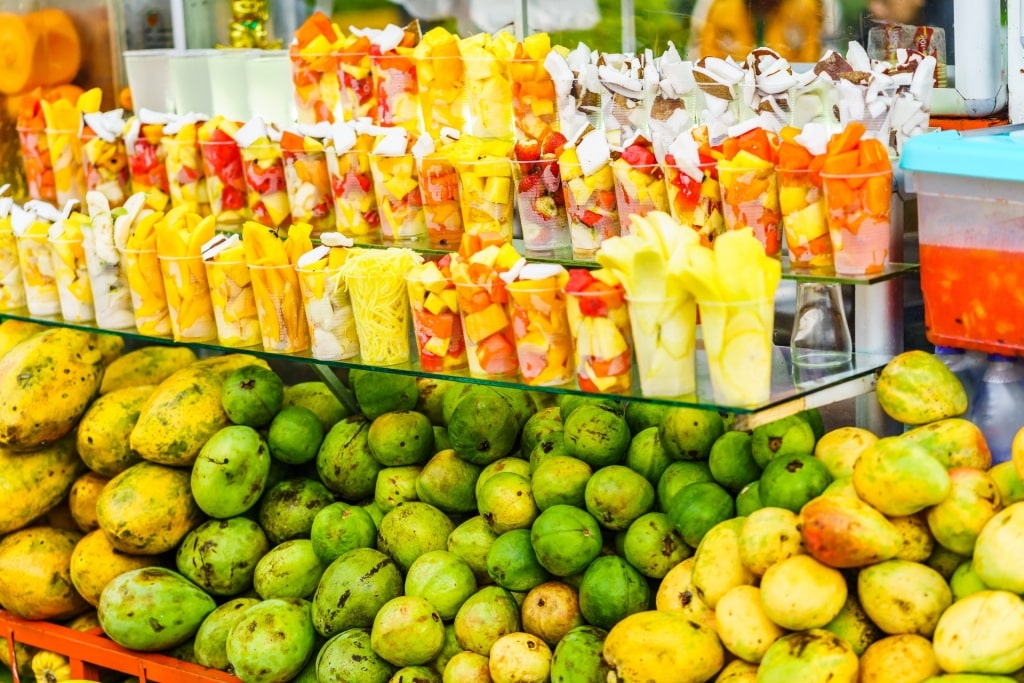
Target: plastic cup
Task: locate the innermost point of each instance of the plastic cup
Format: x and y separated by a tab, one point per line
541	331
487	197
804	219
186	176
534	112
665	340
355	204
750	198
37	273
225	181
859	222
234	303
358	98
490	343
394	78
111	295
397	189
146	166
190	81
105	165
66	161
591	207
265	184
696	201
268	74
488	95
12	287
602	340
72	277
149	300
316	88
381	308
309	190
148	74
541	200
35	158
738	344
437	326
329	314
638	190
439	187
279	306
229	84
188	298
442	93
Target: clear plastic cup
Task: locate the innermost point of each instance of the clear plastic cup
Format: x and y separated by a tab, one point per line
602	340
234	303
148	73
750	198
229	84
397	187
738	343
489	96
439	187
696	202
37	272
189	73
329	314
146	164
186	176
381	308
534	109
316	88
35	159
279	305
12	286
442	93
188	298
541	330
355	203
665	342
225	181
269	73
398	97
358	98
592	208
436	325
266	188
487	196
72	276
859	220
66	161
490	343
541	200
105	165
112	300
149	300
309	190
804	219
638	190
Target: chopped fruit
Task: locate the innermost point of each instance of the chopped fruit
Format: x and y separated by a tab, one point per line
553	143
435	318
541	325
599	322
527	150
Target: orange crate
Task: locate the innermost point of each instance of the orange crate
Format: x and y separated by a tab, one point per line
90	650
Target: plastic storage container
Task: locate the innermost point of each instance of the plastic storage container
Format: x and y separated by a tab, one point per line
971	227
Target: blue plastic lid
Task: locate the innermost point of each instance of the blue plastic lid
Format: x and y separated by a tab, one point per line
948	351
998	157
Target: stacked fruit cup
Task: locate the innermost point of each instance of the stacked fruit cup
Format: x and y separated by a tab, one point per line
36	258
358	99
263	169
309	185
315	69
35	154
540	325
694	196
12	288
325	298
599	322
439	188
436	324
639	181
225	179
589	194
348	167
105	237
63	126
397	187
441	78
488	89
70	270
179	240
234	303
105	157
483	306
487	197
145	281
802	203
146	159
394	79
275	284
375	279
749	185
186	175
534	114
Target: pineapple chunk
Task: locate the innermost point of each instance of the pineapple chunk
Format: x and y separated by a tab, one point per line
435	304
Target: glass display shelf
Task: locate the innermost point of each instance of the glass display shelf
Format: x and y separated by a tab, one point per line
794	388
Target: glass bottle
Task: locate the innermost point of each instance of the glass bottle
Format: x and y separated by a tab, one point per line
821	335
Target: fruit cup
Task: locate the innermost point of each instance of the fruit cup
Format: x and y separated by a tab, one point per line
738	344
186	176
397	188
665	340
533	98
329	314
314	69
149	300
112	301
439	187
266	189
599	324
541	327
146	162
442	91
355	204
225	180
435	319
279	305
358	99
234	303
750	198
35	157
381	309
695	200
804	219
188	298
487	197
488	89
309	188
858	206
72	277
66	160
12	288
541	200
591	206
105	164
37	270
639	189
490	342
394	79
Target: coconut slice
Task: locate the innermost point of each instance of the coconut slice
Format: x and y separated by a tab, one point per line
336	239
423	146
253	129
593	152
317	253
48	212
393	143
214	246
6	203
540	271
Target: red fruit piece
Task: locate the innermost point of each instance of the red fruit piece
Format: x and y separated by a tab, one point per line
637	155
579	279
553	143
527	150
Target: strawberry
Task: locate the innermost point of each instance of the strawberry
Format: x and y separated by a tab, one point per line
527	150
528	182
553	143
637	155
579	279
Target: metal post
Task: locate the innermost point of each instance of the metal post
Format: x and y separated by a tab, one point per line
628	26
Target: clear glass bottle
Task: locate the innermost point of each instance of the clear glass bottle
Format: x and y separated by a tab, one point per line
821	334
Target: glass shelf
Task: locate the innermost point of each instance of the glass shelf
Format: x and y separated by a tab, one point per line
794	388
564	257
